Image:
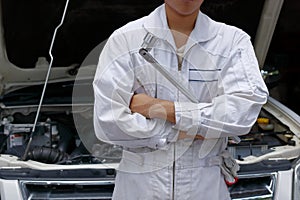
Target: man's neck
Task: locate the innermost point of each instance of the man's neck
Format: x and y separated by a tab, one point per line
180	23
181	26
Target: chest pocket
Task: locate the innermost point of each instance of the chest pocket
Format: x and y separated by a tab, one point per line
204	83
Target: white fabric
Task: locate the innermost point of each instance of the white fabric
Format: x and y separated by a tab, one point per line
219	66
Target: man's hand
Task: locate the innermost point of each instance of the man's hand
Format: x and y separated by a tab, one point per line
183	135
152	107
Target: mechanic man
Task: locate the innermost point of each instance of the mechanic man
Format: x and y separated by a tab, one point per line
172	147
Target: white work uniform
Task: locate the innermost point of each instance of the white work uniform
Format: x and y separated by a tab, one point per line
220	68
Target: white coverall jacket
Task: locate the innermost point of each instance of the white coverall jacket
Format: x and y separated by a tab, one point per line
220	68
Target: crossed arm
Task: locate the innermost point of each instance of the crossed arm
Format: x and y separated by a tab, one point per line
152	107
157	108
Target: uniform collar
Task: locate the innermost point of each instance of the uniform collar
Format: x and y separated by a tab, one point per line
205	28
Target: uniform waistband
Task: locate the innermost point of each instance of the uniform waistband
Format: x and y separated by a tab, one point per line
155	160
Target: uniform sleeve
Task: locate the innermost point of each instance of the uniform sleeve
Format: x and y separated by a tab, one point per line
235	110
113	84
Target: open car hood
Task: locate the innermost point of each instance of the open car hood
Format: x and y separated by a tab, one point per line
27	29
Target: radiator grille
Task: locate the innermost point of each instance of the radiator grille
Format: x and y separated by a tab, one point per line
64	190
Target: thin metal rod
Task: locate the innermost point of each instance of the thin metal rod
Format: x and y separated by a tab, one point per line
46	81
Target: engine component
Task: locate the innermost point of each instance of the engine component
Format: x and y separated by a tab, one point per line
46	155
264	124
19	133
50	141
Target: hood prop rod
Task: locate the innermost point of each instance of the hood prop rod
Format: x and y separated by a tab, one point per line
24	157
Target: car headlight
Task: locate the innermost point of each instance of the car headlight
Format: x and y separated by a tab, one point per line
297	181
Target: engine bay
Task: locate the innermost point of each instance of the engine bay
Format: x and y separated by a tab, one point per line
56	139
266	134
